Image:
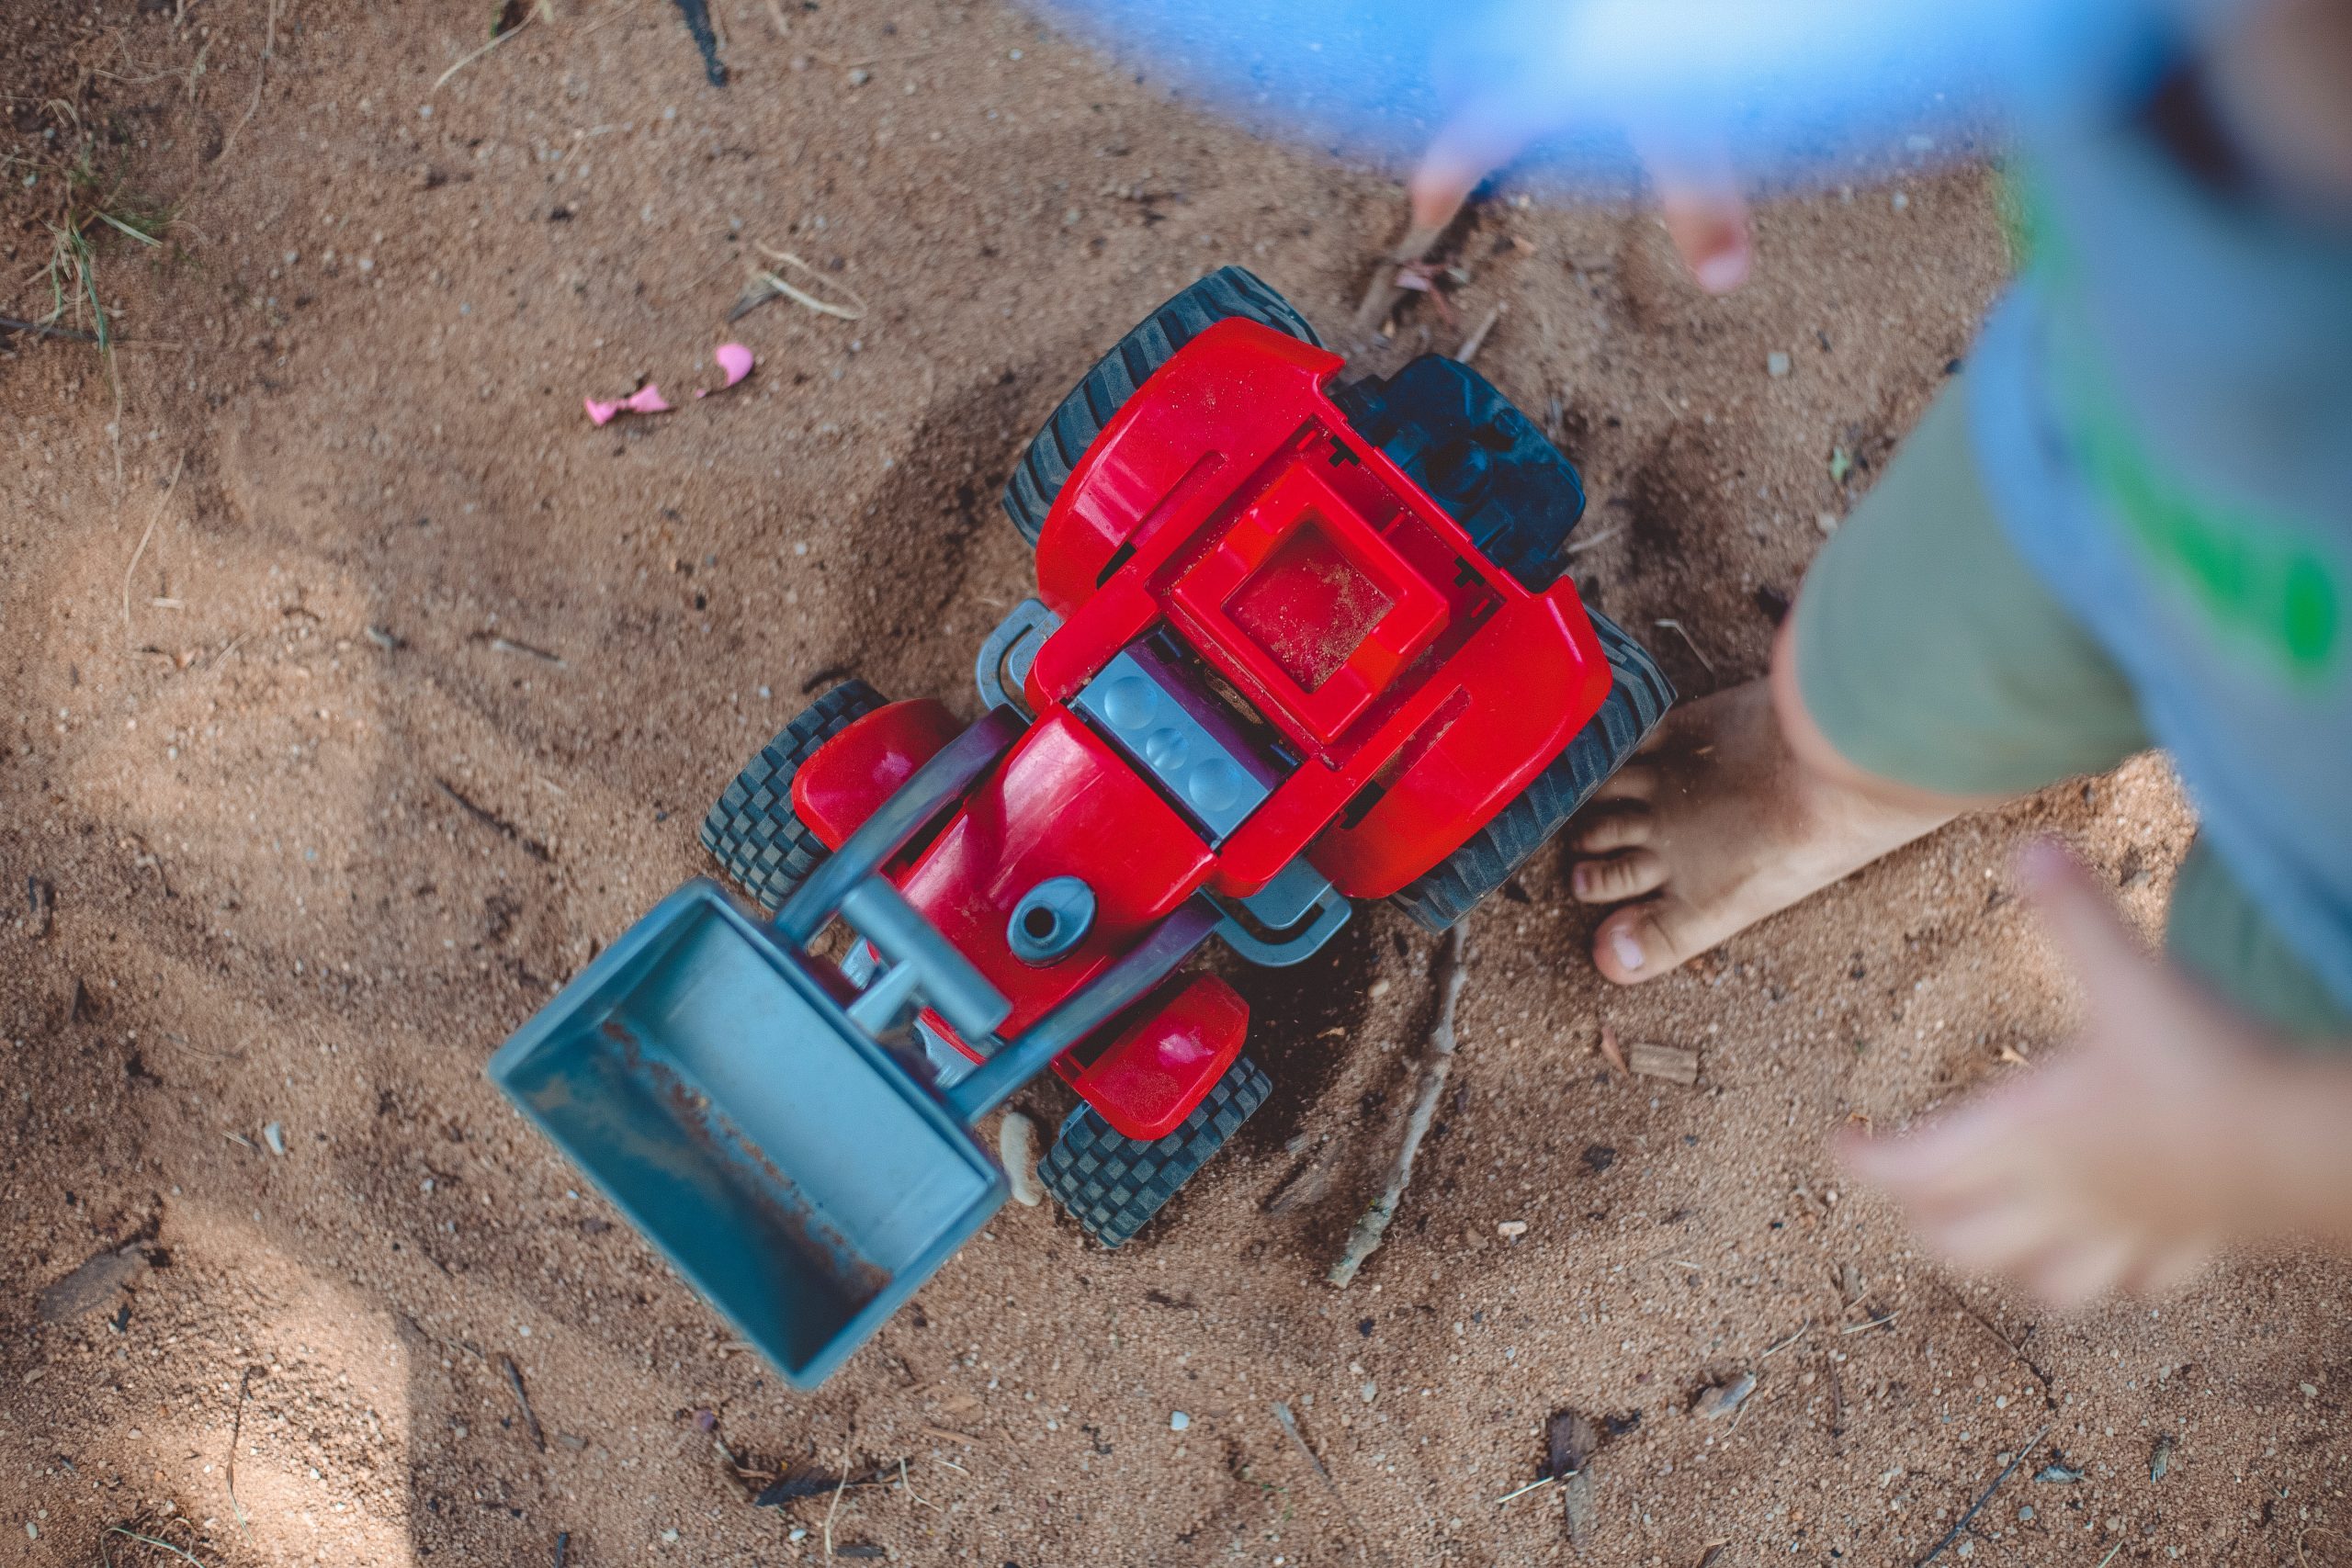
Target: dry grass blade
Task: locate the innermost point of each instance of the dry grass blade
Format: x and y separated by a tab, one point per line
1693	643
831	1509
145	1539
768	285
153	518
534	13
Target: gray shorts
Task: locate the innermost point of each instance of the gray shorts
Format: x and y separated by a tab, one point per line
1928	654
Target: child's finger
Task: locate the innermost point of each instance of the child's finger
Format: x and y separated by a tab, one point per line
2109	960
1469	148
2078	1271
1956	1151
1999	1237
2165	1269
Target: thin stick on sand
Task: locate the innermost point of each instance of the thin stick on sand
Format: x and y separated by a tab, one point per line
1450	975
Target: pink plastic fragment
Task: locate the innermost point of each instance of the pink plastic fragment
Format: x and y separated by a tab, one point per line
734	361
647	398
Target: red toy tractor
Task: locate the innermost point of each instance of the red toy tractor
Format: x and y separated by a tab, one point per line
1295	643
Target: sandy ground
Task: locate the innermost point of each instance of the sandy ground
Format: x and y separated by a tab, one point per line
358	690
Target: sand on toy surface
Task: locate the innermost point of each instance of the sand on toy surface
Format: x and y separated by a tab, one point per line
359	690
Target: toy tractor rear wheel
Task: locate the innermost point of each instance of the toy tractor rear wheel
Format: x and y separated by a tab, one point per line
753	832
1637	700
1112	1184
1226	293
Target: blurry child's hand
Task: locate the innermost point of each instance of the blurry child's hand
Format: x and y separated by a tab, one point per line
1706	217
2172	1126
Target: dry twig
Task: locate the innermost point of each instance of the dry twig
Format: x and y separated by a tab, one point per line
1477	338
1450	974
1961	1523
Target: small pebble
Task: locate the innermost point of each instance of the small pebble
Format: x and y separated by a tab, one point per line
1016	1146
1179	1421
1371	1390
670	1536
2024	1514
274	1136
1776	364
860	77
1826	521
1511	1230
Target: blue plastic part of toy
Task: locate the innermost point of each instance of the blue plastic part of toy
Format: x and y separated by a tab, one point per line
829	1187
1178	739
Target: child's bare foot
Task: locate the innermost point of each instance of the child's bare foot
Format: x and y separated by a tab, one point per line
1714	826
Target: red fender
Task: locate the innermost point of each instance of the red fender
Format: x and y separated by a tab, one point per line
1150	1077
852	774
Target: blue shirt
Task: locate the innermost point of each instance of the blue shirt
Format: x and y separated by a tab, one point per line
2163	410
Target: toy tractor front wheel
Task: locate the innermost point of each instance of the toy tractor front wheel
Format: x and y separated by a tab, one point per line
753	832
1223	295
1112	1184
1637	699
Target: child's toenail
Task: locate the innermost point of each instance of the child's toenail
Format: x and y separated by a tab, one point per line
1581	880
1628	951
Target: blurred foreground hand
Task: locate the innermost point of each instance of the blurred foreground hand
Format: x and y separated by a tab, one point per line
2171	1127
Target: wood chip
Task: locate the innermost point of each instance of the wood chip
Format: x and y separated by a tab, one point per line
1612	1052
1725	1398
1569	1439
94	1286
1676	1063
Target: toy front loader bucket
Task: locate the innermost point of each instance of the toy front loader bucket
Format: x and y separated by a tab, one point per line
796	1175
728	1091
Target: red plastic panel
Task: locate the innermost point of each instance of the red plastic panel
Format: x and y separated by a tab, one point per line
1520	690
1148	1079
1061	804
856	770
1308	604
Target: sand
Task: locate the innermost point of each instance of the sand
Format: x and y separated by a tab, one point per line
322	765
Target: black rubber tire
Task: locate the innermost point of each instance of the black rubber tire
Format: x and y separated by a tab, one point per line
1112	1184
1228	292
753	831
1636	703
